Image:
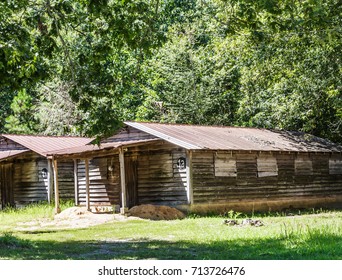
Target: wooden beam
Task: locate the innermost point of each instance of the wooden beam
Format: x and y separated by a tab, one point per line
55	177
50	181
190	194
76	181
87	184
123	208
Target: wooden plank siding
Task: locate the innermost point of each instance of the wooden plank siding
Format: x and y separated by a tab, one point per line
6	185
298	176
66	180
104	178
30	184
30	179
161	180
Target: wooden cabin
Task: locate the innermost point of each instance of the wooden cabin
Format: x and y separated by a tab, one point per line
26	173
207	168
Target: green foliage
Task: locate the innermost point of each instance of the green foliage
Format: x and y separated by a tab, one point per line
290	73
22	120
273	64
189	80
56	113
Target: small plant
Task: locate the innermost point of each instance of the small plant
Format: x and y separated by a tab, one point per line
233	215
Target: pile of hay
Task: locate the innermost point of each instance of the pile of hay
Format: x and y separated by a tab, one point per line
154	212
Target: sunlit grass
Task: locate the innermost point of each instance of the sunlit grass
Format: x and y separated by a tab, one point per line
310	235
9	217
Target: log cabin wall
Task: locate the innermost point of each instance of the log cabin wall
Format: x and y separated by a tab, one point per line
161	174
29	175
265	181
104	179
30	179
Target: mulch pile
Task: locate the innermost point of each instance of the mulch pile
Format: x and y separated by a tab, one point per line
155	212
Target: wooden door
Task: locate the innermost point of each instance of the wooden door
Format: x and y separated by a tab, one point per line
6	184
131	170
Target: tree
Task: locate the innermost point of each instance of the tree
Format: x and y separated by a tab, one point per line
291	74
81	42
56	113
22	120
191	79
265	63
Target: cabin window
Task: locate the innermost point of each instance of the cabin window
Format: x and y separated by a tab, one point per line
267	166
225	166
335	166
303	166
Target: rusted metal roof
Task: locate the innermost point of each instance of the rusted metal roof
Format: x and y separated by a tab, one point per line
11	153
43	144
88	150
235	138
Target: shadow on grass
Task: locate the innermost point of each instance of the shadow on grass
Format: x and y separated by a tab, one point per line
317	246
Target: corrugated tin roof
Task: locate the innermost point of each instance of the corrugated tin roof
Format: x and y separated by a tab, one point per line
11	153
235	138
94	148
43	144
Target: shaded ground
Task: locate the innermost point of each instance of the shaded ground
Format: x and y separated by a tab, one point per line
260	249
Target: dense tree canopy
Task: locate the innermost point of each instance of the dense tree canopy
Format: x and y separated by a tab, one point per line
92	64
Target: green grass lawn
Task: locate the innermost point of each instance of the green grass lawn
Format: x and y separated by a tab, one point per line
308	236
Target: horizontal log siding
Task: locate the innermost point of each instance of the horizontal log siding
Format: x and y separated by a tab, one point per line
104	179
29	184
212	189
159	179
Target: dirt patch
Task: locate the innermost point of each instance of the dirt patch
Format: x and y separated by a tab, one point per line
80	217
74	217
154	212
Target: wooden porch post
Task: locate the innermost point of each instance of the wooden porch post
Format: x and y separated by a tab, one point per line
87	183
50	180
123	208
76	181
55	177
189	192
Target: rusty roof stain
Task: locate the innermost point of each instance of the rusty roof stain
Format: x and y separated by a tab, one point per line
43	144
236	138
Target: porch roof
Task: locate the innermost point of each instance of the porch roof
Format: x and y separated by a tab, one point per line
91	150
43	144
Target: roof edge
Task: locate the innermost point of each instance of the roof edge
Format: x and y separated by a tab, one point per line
163	136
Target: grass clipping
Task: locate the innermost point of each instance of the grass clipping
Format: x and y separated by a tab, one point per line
154	212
